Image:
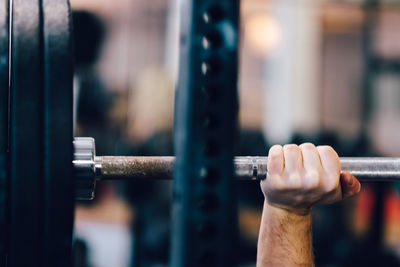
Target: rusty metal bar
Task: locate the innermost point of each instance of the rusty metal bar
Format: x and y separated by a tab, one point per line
120	168
245	168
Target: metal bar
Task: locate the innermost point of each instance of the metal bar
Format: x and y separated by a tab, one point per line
245	168
135	167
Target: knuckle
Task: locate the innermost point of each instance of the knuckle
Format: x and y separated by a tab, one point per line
294	182
291	148
275	147
273	183
278	187
326	149
332	184
328	152
275	160
307	146
275	152
312	180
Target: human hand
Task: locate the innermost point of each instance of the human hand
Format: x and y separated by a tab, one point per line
301	176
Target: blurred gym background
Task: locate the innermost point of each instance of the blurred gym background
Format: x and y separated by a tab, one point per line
325	71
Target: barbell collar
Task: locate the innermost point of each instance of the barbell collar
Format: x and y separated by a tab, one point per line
85	168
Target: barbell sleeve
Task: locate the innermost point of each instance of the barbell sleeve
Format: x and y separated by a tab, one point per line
245	168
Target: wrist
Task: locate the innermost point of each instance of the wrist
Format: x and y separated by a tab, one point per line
297	214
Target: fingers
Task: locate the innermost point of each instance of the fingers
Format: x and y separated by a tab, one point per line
301	176
350	185
311	160
293	158
312	166
331	182
275	163
329	159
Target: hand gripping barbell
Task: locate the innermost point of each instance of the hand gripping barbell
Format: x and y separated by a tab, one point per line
89	168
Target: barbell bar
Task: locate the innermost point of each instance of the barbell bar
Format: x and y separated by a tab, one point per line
91	168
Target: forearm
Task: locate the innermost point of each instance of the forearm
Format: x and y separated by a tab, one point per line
284	239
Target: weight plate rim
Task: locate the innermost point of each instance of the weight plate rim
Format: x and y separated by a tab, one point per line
58	132
4	93
25	233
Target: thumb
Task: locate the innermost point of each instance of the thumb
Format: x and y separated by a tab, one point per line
350	185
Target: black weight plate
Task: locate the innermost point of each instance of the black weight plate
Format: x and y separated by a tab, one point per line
4	74
58	133
41	202
26	136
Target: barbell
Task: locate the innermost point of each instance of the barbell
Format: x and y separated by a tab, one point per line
43	168
89	168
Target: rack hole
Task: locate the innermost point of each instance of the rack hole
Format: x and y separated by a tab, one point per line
213	14
210	92
208	202
209	175
211	122
212	40
207	230
210	66
211	148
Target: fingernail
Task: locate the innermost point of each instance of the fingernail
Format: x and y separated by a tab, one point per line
359	188
351	181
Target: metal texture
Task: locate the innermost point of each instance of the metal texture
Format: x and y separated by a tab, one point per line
57	117
366	169
371	169
250	168
245	168
204	211
4	94
121	168
85	168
